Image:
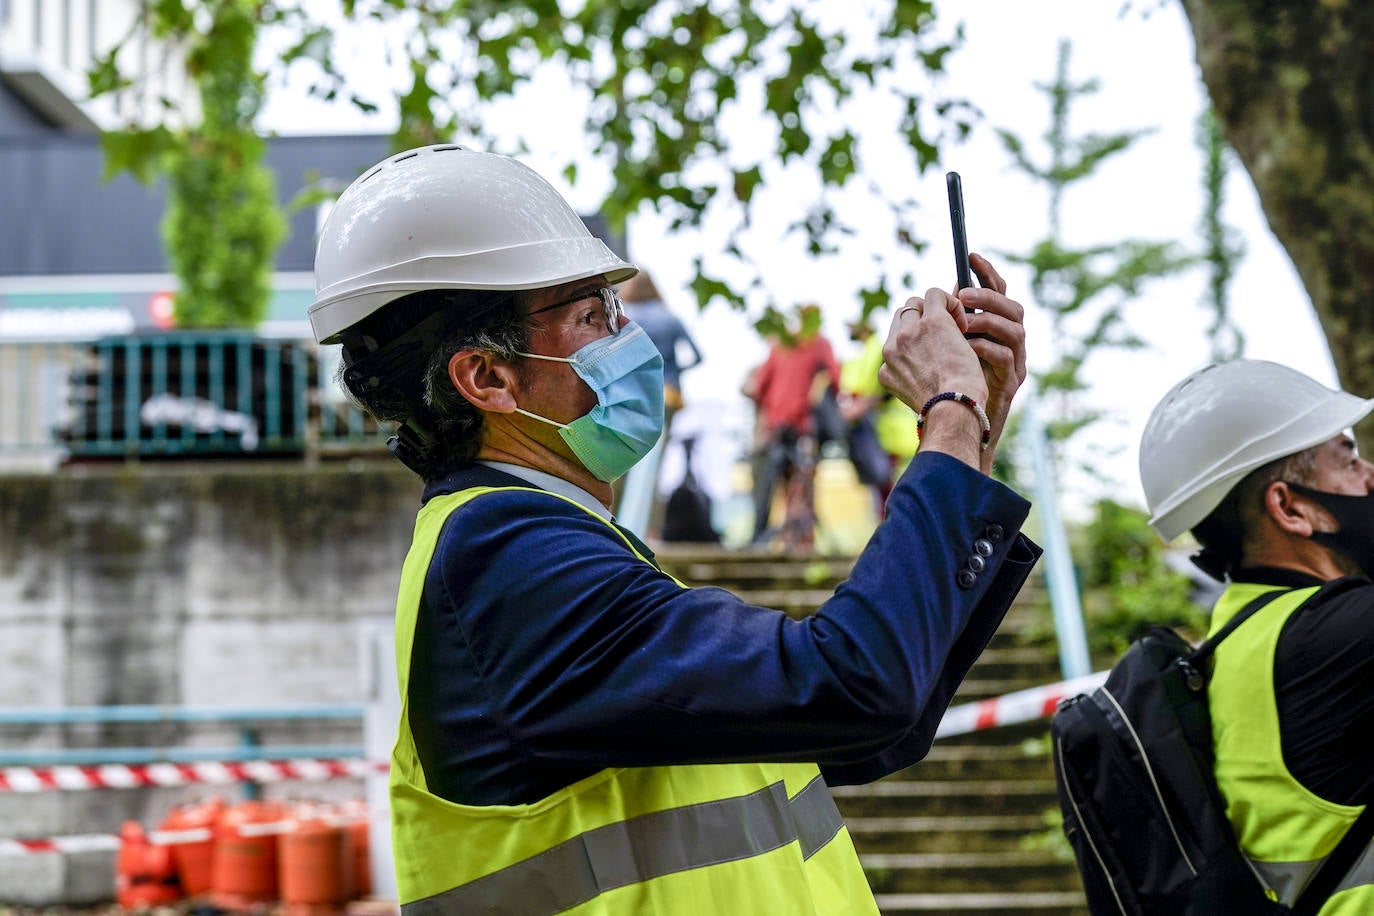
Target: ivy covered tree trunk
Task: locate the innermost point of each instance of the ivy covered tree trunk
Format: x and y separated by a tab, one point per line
223	224
1293	87
222	229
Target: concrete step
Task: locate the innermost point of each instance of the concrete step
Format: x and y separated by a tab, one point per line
1057	903
740	570
1009	659
966	872
969	760
944	834
929	798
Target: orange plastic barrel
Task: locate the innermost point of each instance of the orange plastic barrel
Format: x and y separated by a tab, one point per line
145	874
360	845
314	867
194	857
244	859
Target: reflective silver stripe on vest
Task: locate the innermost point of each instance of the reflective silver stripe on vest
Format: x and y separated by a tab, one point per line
643	848
1289	878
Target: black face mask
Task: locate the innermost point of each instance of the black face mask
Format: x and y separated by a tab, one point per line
1355	515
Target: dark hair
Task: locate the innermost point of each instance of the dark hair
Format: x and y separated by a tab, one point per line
395	367
1223	534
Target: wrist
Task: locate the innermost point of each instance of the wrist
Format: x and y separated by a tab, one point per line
963	401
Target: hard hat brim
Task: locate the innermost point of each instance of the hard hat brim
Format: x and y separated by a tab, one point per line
333	312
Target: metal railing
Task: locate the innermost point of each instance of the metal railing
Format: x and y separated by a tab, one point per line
53	726
248	721
174	394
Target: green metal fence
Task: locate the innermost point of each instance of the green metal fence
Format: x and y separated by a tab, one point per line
175	394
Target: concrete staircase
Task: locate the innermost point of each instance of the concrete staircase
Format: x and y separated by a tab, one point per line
948	835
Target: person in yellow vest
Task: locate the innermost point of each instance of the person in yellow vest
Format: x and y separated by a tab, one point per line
581	733
863	400
1252	457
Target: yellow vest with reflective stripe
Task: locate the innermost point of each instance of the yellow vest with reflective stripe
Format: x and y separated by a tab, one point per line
692	840
1285	829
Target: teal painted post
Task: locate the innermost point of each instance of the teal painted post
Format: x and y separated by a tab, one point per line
248	740
1068	613
133	390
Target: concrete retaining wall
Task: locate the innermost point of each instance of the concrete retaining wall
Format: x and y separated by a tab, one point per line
185	584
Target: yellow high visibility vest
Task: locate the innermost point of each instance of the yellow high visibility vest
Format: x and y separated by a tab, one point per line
1286	831
693	840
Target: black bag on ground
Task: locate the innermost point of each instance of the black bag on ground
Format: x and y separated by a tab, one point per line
871	464
687	514
1133	767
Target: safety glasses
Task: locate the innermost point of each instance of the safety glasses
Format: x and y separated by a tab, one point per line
610	303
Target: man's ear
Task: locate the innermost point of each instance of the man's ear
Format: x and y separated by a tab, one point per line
1289	511
487	381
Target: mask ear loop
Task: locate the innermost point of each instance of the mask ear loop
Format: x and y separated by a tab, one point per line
535	416
552	359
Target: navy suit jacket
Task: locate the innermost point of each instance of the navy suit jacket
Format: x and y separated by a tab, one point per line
546	651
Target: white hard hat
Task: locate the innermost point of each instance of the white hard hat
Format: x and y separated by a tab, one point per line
444	217
1222	422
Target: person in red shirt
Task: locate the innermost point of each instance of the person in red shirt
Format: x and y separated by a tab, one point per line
786	389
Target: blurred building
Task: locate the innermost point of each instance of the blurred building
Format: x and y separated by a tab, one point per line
82	258
46	47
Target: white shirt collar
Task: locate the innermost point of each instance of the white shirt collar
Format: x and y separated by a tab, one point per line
546	481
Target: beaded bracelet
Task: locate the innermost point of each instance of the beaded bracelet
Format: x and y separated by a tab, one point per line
962	399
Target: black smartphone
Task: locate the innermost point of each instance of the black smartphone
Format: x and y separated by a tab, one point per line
963	274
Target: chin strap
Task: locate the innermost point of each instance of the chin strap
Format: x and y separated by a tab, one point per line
410	444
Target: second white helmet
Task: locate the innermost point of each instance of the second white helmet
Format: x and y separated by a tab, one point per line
1224	421
445	217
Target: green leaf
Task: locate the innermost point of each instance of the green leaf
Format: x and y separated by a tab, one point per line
838	162
104	75
746	182
139	152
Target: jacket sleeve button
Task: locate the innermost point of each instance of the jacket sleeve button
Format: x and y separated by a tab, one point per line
994	533
966	578
976	563
982	547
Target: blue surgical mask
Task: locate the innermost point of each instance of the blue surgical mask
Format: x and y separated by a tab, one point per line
625	371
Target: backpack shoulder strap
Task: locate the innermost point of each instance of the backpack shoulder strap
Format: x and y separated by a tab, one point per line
1334	586
1204	651
1341	860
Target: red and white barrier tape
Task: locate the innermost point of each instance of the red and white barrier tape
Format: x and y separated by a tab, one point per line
1013	708
1009	709
86	843
132	776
